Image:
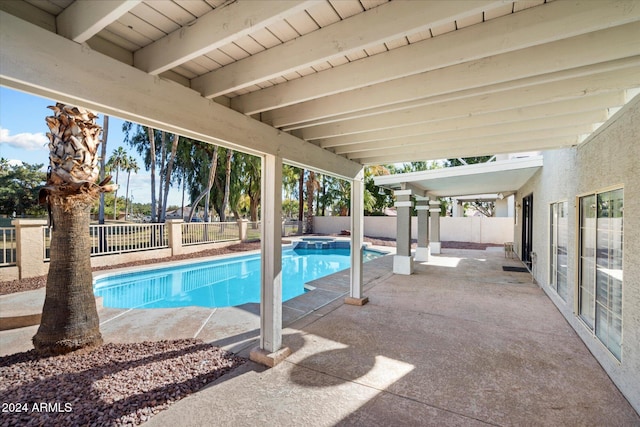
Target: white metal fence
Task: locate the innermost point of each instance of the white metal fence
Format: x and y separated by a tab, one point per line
209	232
118	238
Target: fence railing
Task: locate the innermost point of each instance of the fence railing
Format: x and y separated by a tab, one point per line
113	243
113	239
109	239
207	232
7	246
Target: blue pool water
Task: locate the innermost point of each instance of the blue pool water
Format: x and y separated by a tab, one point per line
219	283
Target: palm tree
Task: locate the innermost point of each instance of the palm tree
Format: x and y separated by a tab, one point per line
69	315
116	162
103	167
130	166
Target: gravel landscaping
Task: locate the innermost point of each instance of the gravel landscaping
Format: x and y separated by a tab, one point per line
112	385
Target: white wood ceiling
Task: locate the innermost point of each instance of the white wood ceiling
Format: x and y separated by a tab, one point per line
380	81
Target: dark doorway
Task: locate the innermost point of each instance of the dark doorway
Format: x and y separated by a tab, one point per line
527	229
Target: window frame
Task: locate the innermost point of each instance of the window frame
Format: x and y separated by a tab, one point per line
592	328
554	234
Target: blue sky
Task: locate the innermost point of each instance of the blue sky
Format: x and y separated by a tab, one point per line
23	137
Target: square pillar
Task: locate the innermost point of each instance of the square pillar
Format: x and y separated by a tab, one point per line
423	251
270	352
30	247
458	209
434	213
357	236
175	235
403	261
242	229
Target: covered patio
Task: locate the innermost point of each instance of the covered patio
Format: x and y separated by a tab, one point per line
459	342
334	86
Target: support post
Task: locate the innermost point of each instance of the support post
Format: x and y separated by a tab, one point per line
434	213
422	251
357	236
403	261
270	352
458	209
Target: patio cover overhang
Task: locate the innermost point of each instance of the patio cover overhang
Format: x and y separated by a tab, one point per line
332	85
500	176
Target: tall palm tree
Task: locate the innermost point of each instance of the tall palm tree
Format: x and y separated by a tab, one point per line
103	167
130	166
116	162
69	315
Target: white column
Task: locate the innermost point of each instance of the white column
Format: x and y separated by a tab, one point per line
434	213
458	209
270	352
357	235
422	251
403	261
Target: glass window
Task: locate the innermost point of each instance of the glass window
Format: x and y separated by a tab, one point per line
600	275
558	248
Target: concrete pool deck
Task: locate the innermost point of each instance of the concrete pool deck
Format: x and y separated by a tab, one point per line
460	342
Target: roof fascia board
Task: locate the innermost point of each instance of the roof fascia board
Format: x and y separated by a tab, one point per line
458	171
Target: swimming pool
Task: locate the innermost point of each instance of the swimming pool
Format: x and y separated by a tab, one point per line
219	283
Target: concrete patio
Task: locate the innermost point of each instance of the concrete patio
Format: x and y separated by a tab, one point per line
460	342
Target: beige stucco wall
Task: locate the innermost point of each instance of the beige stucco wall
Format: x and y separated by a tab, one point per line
610	158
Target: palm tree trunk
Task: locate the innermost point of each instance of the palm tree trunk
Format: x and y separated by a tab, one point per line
163	170
103	161
300	201
311	187
102	237
69	316
167	177
115	197
126	199
152	153
227	185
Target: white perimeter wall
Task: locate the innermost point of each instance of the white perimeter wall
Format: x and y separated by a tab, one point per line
467	229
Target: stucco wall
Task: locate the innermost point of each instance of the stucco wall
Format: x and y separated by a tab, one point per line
609	159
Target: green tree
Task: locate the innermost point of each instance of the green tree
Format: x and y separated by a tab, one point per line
19	186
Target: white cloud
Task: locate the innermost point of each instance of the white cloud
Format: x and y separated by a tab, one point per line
24	141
